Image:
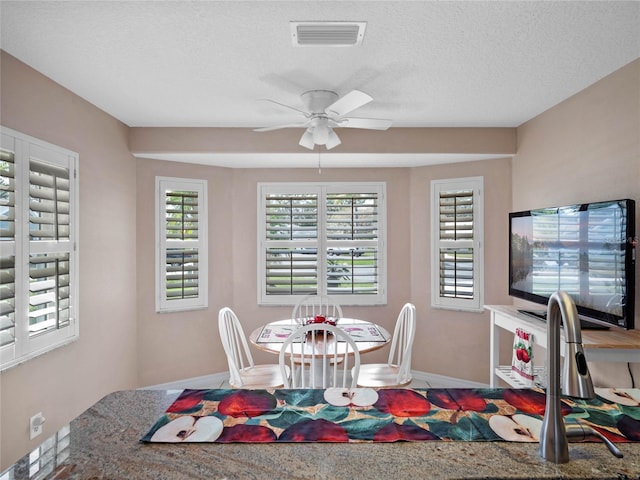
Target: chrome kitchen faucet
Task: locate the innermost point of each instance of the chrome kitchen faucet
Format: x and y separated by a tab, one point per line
576	382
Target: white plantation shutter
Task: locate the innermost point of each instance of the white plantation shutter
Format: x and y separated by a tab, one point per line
291	240
7	193
7	237
182	273
49	268
322	239
457	218
38	265
48	291
7	300
181	263
48	201
456	226
352	243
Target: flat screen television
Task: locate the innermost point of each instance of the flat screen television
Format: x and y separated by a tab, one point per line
587	250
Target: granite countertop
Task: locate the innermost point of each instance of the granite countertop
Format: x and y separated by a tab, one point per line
104	442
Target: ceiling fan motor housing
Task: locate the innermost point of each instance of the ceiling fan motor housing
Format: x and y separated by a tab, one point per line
316	101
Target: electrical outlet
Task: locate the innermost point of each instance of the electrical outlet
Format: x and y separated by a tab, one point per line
35	425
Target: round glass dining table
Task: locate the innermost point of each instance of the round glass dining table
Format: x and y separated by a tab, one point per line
367	335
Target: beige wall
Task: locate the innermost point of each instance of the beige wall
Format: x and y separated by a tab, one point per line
63	383
172	346
175	140
585	149
452	343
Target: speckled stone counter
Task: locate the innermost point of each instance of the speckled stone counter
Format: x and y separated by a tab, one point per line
103	443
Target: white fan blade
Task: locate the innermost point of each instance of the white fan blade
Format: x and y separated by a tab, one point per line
368	123
302	112
352	100
278	127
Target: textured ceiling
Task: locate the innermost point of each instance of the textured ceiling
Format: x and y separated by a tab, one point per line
207	63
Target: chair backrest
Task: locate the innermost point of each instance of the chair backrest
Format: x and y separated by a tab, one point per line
320	356
312	305
402	341
235	344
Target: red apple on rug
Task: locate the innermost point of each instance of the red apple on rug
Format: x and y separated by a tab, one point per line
188	400
614	437
457	399
394	432
247	403
242	433
629	427
319	430
402	403
530	401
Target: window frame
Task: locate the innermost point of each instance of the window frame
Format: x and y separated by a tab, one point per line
201	301
321	243
476	303
28	343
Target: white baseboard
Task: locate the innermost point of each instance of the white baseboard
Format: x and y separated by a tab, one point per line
442	381
206	381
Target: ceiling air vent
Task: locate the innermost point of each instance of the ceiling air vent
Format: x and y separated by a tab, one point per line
327	34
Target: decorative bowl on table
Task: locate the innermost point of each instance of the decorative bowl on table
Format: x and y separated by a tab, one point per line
321	319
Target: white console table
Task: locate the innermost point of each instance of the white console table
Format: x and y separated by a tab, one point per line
613	345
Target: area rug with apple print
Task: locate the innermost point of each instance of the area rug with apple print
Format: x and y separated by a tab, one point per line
385	415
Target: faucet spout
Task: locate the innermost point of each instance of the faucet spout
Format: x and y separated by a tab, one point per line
576	381
580	433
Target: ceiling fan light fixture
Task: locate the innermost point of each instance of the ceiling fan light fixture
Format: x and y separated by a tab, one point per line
327	34
306	140
320	134
333	140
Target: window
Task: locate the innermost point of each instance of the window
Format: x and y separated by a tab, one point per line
181	255
322	238
38	236
456	244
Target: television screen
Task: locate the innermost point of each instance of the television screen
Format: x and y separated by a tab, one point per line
585	250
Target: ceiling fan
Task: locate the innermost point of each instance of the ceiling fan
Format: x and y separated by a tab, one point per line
325	110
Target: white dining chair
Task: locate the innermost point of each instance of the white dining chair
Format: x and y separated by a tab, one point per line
311	305
397	370
243	373
319	356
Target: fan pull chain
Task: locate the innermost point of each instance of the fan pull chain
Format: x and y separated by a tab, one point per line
319	166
